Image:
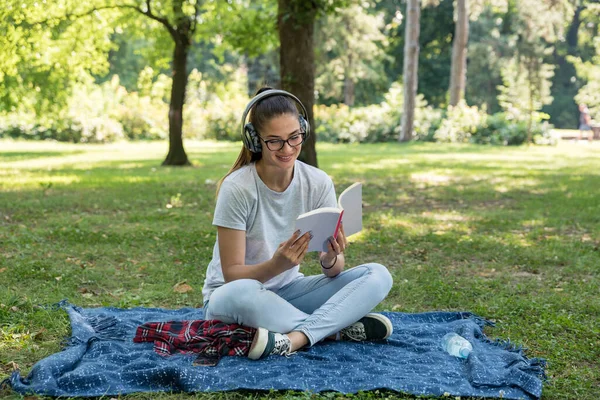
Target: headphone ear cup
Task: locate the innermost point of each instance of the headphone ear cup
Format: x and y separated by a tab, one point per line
251	139
304	126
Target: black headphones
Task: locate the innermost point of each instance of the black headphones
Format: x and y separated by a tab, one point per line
250	136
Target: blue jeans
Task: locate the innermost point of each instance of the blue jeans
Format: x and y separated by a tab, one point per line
316	305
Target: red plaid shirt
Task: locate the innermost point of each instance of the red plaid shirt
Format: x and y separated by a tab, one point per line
210	339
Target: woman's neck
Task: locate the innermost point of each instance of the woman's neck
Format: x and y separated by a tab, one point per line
276	179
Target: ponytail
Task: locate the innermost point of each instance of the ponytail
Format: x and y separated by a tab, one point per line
244	158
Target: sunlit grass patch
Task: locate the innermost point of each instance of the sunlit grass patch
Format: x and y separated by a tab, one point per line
17	338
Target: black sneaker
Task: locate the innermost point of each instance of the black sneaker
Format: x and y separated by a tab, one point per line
370	327
268	343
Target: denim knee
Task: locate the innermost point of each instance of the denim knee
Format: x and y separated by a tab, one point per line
236	295
382	277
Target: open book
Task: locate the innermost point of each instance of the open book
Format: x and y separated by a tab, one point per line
325	222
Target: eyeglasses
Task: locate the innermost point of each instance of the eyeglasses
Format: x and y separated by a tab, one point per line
292	141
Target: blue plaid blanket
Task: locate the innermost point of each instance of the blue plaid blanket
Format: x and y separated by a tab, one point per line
101	359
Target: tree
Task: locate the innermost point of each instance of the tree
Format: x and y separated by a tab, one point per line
587	58
436	27
179	20
411	62
173	26
582	31
45	51
512	50
181	28
460	41
296	25
350	50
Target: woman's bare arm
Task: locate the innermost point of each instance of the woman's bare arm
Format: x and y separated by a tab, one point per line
232	249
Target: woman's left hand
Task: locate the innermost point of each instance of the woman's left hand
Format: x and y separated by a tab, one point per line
335	247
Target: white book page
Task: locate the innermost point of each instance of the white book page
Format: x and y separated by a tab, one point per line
351	202
321	223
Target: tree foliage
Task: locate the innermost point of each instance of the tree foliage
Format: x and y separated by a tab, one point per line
529	58
45	51
60	44
351	47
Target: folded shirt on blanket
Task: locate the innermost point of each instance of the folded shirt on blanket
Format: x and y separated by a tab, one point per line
210	339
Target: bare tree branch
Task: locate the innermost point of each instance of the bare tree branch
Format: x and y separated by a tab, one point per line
148	13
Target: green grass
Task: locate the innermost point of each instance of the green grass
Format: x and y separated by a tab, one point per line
512	234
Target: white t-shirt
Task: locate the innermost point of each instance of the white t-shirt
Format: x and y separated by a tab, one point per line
245	203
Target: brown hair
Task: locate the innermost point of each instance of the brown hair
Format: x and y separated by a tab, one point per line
260	114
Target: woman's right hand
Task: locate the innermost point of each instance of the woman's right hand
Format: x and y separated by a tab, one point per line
291	252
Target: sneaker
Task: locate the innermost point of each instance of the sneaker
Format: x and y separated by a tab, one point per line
370	327
268	343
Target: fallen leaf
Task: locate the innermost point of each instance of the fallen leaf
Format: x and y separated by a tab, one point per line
39	334
182	287
2	270
13	365
487	273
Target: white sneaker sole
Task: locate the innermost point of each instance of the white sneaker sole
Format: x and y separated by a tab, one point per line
261	338
384	320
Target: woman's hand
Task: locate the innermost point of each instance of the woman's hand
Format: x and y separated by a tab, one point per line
335	247
291	252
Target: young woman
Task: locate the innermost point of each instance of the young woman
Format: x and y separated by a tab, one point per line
253	278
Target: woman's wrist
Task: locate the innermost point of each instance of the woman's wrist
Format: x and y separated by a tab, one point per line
331	266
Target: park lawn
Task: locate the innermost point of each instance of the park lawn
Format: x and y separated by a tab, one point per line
511	234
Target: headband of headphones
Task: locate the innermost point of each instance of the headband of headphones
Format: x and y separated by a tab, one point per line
249	134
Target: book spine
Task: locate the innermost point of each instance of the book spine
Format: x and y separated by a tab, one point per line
337	227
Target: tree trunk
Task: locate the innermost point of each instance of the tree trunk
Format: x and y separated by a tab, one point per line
458	72
573	31
348	91
177	155
349	84
296	23
411	63
531	85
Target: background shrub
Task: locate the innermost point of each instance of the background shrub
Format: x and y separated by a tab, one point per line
108	112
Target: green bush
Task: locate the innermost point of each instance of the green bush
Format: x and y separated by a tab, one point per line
375	123
108	113
460	124
497	129
214	112
222	121
504	130
66	129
